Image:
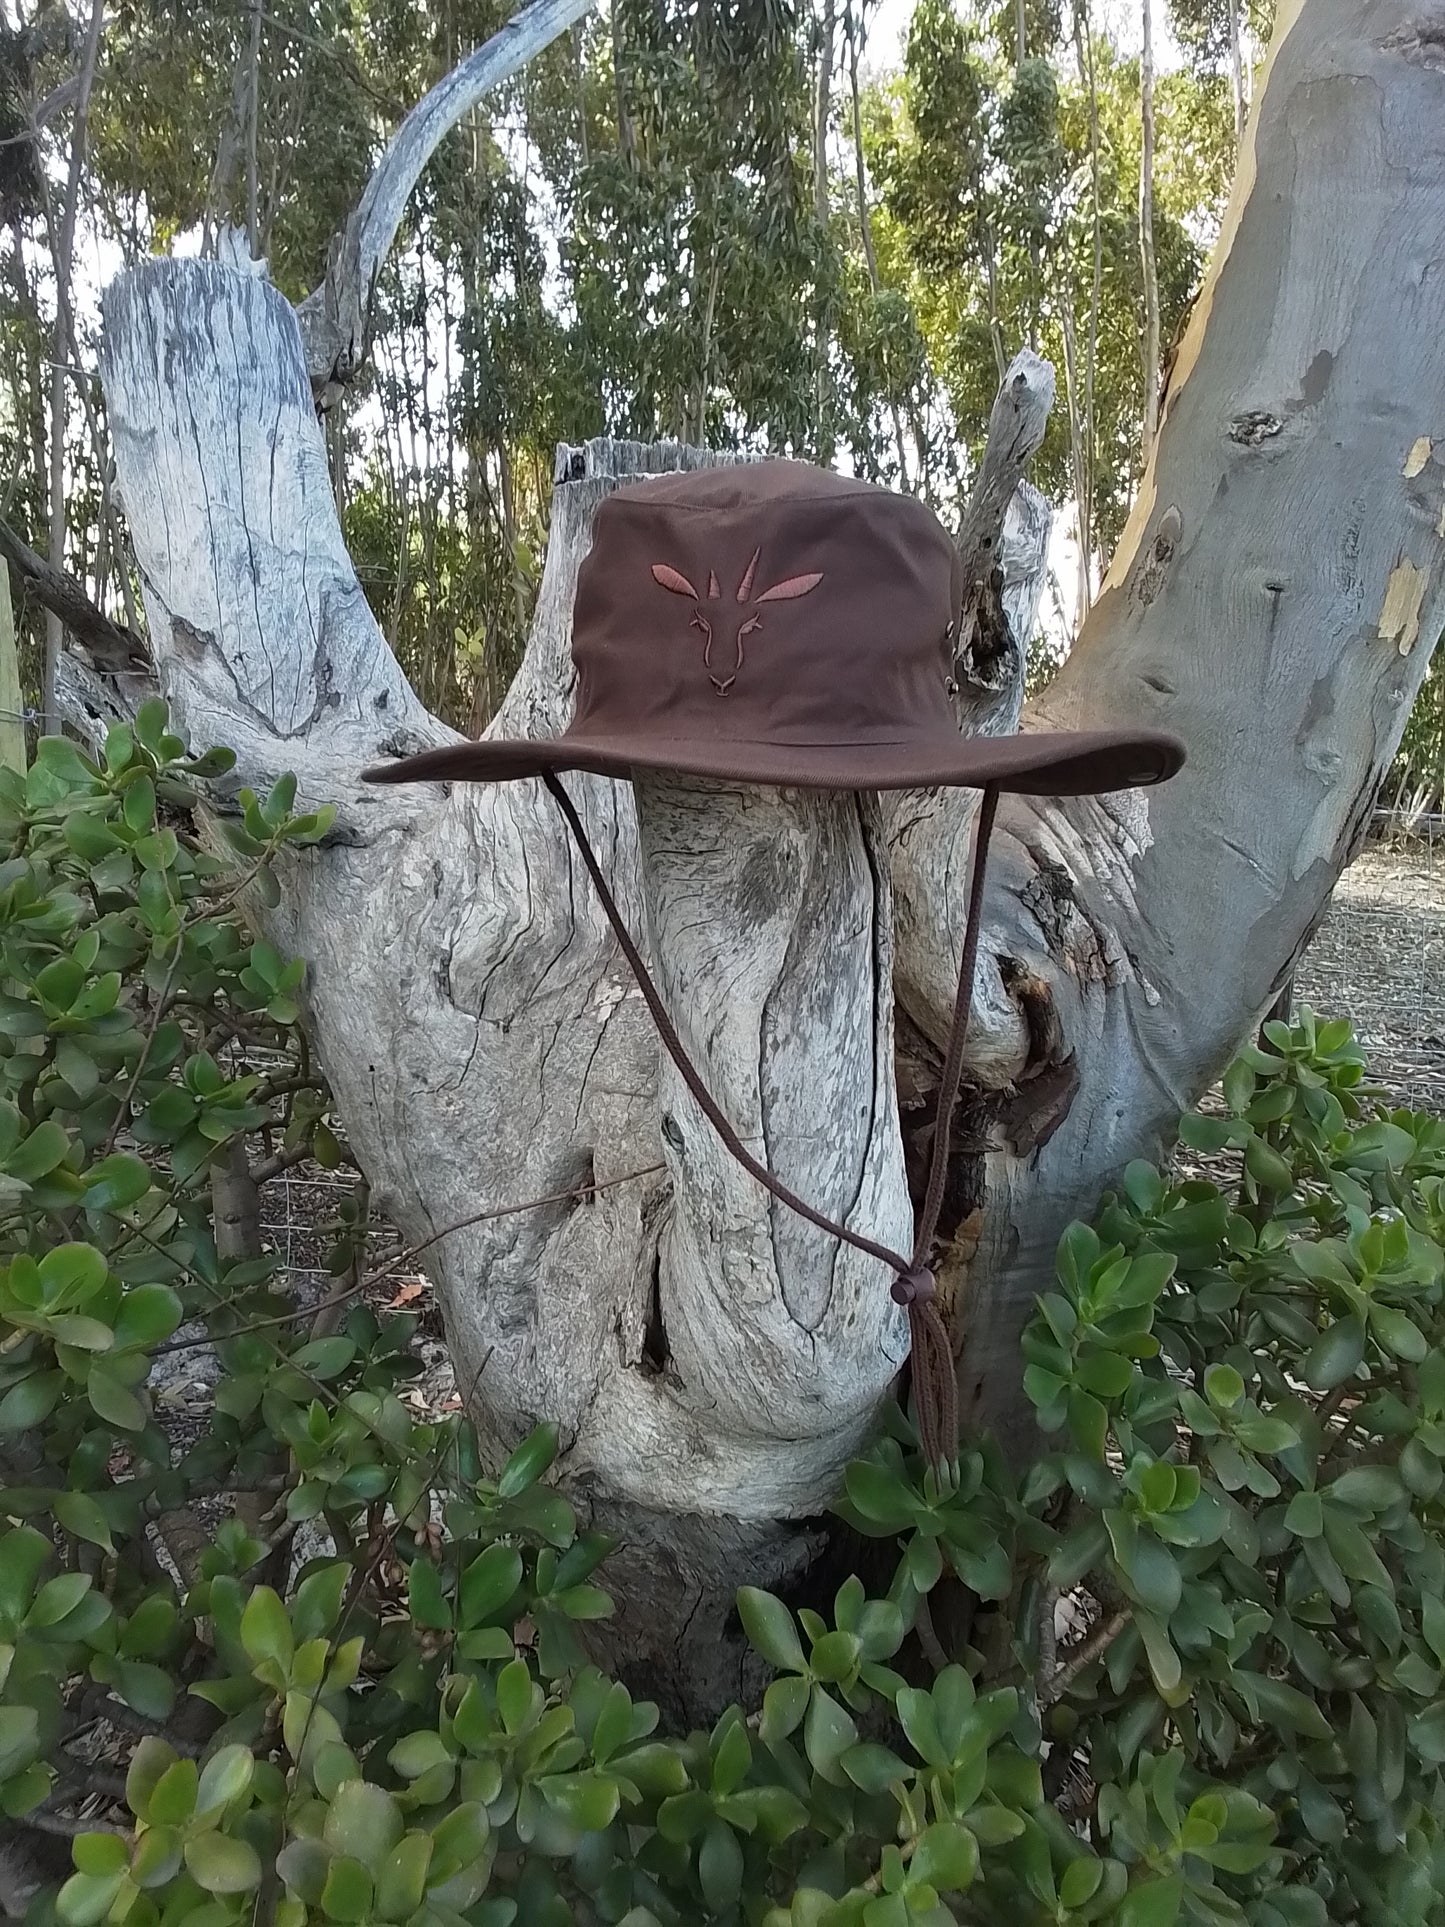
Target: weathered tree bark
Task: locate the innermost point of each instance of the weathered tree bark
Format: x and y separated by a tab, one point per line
1274	604
1148	269
711	1363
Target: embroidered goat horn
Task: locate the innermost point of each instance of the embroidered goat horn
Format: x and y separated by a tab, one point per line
713	591
745	587
667	578
789	591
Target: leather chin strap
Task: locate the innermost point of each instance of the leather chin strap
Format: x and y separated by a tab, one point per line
935	1389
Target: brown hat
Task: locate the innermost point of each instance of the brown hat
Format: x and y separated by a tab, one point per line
772	623
775	623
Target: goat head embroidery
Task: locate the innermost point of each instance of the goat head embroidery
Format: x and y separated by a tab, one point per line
788	590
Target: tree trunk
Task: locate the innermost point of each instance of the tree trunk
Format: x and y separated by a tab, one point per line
712	1364
12	702
852	27
821	97
253	132
62	241
1146	236
1236	71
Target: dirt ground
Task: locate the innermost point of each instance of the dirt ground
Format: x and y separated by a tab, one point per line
1379	959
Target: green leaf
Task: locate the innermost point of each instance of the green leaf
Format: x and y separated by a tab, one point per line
145	1688
515	1695
347	1895
1280	1705
19	1738
24	1554
172	1799
1398	1333
1080	1881
1107	1375
878	1495
1368	1488
1223	1386
224	1778
1205	1133
946	1857
488	1583
116	1182
1238	1086
720	1866
83	1901
81	1333
919	1720
874	1768
1335	1355
71	1274
57	1599
222	1865
1152	1903
1264	1164
530	1460
828	1732
430	1606
1305	1515
1148	1568
769	1627
303	1865
114	1401
363	1822
148	1765
266	1629
416	1754
401	1879
29	1402
147	1315
784	1704
1078	1252
45	1148
99	1854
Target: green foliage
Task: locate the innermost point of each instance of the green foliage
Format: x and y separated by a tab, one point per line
1244	1389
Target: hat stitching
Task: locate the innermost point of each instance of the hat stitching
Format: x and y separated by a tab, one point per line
790	589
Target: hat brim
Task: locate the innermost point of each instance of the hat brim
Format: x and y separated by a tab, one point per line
1037	763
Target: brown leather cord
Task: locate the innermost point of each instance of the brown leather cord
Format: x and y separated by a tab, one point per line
935	1391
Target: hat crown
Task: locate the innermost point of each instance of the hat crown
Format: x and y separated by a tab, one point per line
766	602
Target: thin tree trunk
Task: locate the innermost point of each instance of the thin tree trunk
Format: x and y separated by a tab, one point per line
1084	45
580	77
626	132
12	706
1078	454
509	533
253	132
821	100
33	330
1021	27
1236	70
227	150
1146	236
865	222
63	250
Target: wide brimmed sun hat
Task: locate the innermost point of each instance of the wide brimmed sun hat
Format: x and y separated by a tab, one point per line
775	623
772	623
